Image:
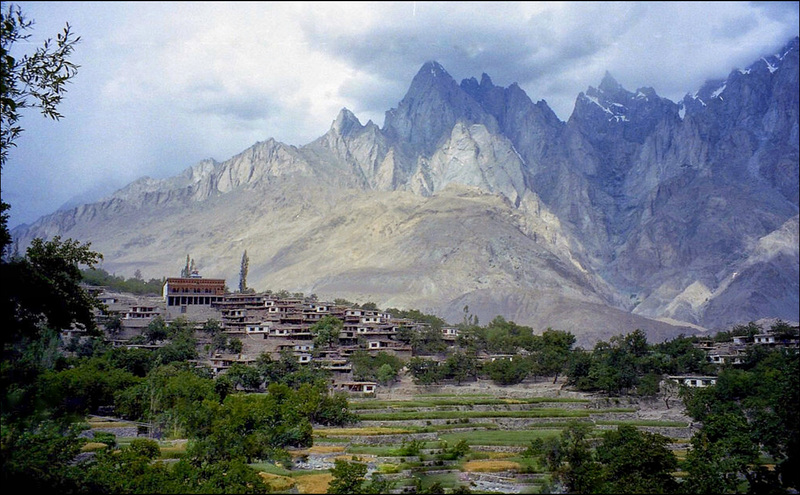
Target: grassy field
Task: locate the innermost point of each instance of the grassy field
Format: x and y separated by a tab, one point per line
550	412
512	438
461	401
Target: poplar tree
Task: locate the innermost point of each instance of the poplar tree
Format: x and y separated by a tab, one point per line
243	272
185	271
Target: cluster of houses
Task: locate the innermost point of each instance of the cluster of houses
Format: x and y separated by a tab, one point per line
733	353
276	324
265	323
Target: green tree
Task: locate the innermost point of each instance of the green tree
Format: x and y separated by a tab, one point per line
41	295
243	272
113	325
40	458
508	371
366	366
424	371
722	452
427	341
648	385
169	397
134	469
417	316
180	349
325	408
350	478
637	462
472	339
86	386
460	366
347	477
683	357
451	453
98	276
245	377
234	345
552	352
212	327
506	337
326	331
614	367
146	447
748	411
136	361
43	289
248	427
386	374
572	462
156	330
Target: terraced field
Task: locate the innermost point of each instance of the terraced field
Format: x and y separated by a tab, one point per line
471	435
405	435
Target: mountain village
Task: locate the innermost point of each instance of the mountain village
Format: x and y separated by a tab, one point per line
264	323
277	324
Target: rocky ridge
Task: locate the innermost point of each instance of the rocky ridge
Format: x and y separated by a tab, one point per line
635	210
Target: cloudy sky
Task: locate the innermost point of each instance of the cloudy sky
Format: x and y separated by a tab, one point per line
164	85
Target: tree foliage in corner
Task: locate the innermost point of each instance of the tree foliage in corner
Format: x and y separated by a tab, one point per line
36	80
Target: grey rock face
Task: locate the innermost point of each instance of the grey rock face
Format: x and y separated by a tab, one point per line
637	212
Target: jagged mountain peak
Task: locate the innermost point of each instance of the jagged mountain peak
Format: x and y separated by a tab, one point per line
609	85
201	170
432	68
774	62
430	76
766	66
346	123
427	113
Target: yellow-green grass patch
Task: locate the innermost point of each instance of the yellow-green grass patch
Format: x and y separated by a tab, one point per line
490	466
680	454
270	468
389	468
501	455
530	413
313	483
499	437
644	422
276	482
318	449
369	430
453	395
456	401
99	425
92	446
357	458
173	451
